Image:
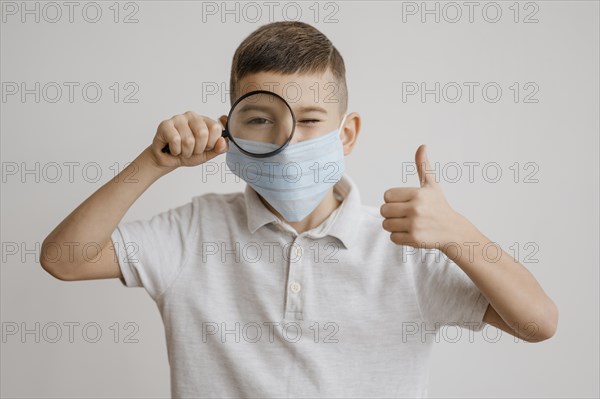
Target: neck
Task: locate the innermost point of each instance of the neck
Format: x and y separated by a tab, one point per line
315	218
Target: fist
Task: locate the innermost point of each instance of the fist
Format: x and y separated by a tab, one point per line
193	139
419	216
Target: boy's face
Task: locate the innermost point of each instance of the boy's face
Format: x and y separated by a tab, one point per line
316	102
314	98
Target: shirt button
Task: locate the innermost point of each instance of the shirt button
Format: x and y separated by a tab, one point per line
295	287
297	250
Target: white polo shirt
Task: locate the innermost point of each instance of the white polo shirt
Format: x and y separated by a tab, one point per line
253	309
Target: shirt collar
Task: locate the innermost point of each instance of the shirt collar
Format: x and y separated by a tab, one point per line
340	224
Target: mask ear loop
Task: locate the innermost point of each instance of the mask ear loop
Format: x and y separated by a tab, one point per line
342	124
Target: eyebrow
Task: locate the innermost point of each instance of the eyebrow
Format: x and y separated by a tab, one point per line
256	107
312	109
253	107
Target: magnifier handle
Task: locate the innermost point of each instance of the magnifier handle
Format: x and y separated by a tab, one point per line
166	150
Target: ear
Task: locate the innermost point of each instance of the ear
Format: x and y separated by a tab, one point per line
349	132
223	120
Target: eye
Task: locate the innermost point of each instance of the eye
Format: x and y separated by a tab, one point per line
310	121
258	121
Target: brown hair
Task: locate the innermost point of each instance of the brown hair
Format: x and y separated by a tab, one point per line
288	47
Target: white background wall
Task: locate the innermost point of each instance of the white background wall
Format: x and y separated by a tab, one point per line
175	49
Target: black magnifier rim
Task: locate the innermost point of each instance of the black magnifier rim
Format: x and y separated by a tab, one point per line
227	134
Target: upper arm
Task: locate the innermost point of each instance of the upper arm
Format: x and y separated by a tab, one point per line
99	263
493	318
445	294
151	253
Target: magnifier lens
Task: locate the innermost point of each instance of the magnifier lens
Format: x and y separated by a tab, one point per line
261	123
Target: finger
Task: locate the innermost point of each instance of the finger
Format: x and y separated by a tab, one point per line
403	239
167	134
200	132
215	131
397	225
396	209
187	137
426	173
400	194
221	147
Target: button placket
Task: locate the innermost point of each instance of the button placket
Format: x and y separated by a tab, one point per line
295	290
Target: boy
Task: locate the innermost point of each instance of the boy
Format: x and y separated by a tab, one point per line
329	300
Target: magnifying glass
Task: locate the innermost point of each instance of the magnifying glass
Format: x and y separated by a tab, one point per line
260	123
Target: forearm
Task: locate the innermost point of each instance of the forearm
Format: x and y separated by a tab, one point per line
96	218
510	288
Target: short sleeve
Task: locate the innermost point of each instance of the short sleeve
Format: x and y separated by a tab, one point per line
152	252
446	295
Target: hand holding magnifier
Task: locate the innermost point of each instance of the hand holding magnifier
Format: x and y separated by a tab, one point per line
260	123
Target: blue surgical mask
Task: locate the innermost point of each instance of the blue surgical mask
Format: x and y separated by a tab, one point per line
296	180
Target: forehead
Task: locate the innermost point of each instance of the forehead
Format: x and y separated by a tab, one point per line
299	90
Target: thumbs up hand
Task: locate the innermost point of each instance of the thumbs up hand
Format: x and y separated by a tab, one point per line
420	216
